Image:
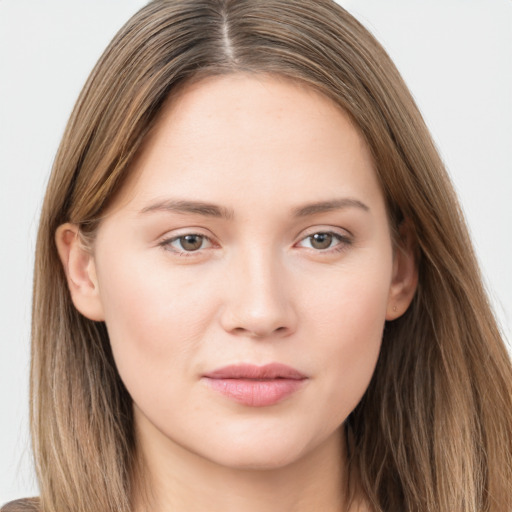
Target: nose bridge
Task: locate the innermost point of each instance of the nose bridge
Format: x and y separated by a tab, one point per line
258	301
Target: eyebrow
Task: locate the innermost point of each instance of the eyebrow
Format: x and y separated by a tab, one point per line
213	210
327	206
190	207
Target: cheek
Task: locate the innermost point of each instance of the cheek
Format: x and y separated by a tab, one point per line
155	319
347	324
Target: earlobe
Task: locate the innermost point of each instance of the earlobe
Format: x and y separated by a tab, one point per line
79	267
405	274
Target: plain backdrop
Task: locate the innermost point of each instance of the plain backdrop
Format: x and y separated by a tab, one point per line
455	55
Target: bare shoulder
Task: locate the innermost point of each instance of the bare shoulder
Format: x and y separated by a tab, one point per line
25	505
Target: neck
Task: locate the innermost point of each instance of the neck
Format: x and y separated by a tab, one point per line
177	479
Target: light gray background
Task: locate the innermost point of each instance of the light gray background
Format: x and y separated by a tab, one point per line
455	55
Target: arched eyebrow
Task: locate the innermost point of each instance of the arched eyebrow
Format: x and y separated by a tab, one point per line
327	206
190	207
213	210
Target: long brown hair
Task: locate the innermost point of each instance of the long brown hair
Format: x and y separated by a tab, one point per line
434	430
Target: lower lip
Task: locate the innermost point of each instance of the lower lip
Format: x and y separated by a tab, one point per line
256	393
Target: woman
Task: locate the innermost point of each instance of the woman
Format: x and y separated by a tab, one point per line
254	289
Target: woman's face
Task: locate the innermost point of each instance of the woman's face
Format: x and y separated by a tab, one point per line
245	274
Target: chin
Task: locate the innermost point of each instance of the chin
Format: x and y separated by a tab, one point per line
270	452
258	460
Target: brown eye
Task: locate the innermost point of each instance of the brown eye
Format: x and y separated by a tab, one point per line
321	240
325	242
187	245
190	242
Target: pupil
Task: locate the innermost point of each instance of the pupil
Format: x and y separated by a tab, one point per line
321	240
191	242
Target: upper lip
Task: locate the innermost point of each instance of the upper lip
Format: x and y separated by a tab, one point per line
255	372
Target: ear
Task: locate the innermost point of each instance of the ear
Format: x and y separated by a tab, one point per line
80	270
405	273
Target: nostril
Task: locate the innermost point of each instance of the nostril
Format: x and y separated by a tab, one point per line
259	333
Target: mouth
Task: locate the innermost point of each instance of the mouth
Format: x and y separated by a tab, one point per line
256	386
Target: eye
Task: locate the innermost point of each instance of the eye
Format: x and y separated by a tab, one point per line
324	240
191	242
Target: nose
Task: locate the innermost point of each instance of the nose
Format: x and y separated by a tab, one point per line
259	301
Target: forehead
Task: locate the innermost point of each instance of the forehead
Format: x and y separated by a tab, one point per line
250	134
247	102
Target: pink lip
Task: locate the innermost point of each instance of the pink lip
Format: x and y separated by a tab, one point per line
256	386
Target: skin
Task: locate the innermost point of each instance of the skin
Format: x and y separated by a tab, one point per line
259	289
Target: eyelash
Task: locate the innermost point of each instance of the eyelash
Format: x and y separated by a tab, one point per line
343	242
166	244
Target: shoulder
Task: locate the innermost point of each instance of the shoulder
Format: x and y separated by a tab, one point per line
26	505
